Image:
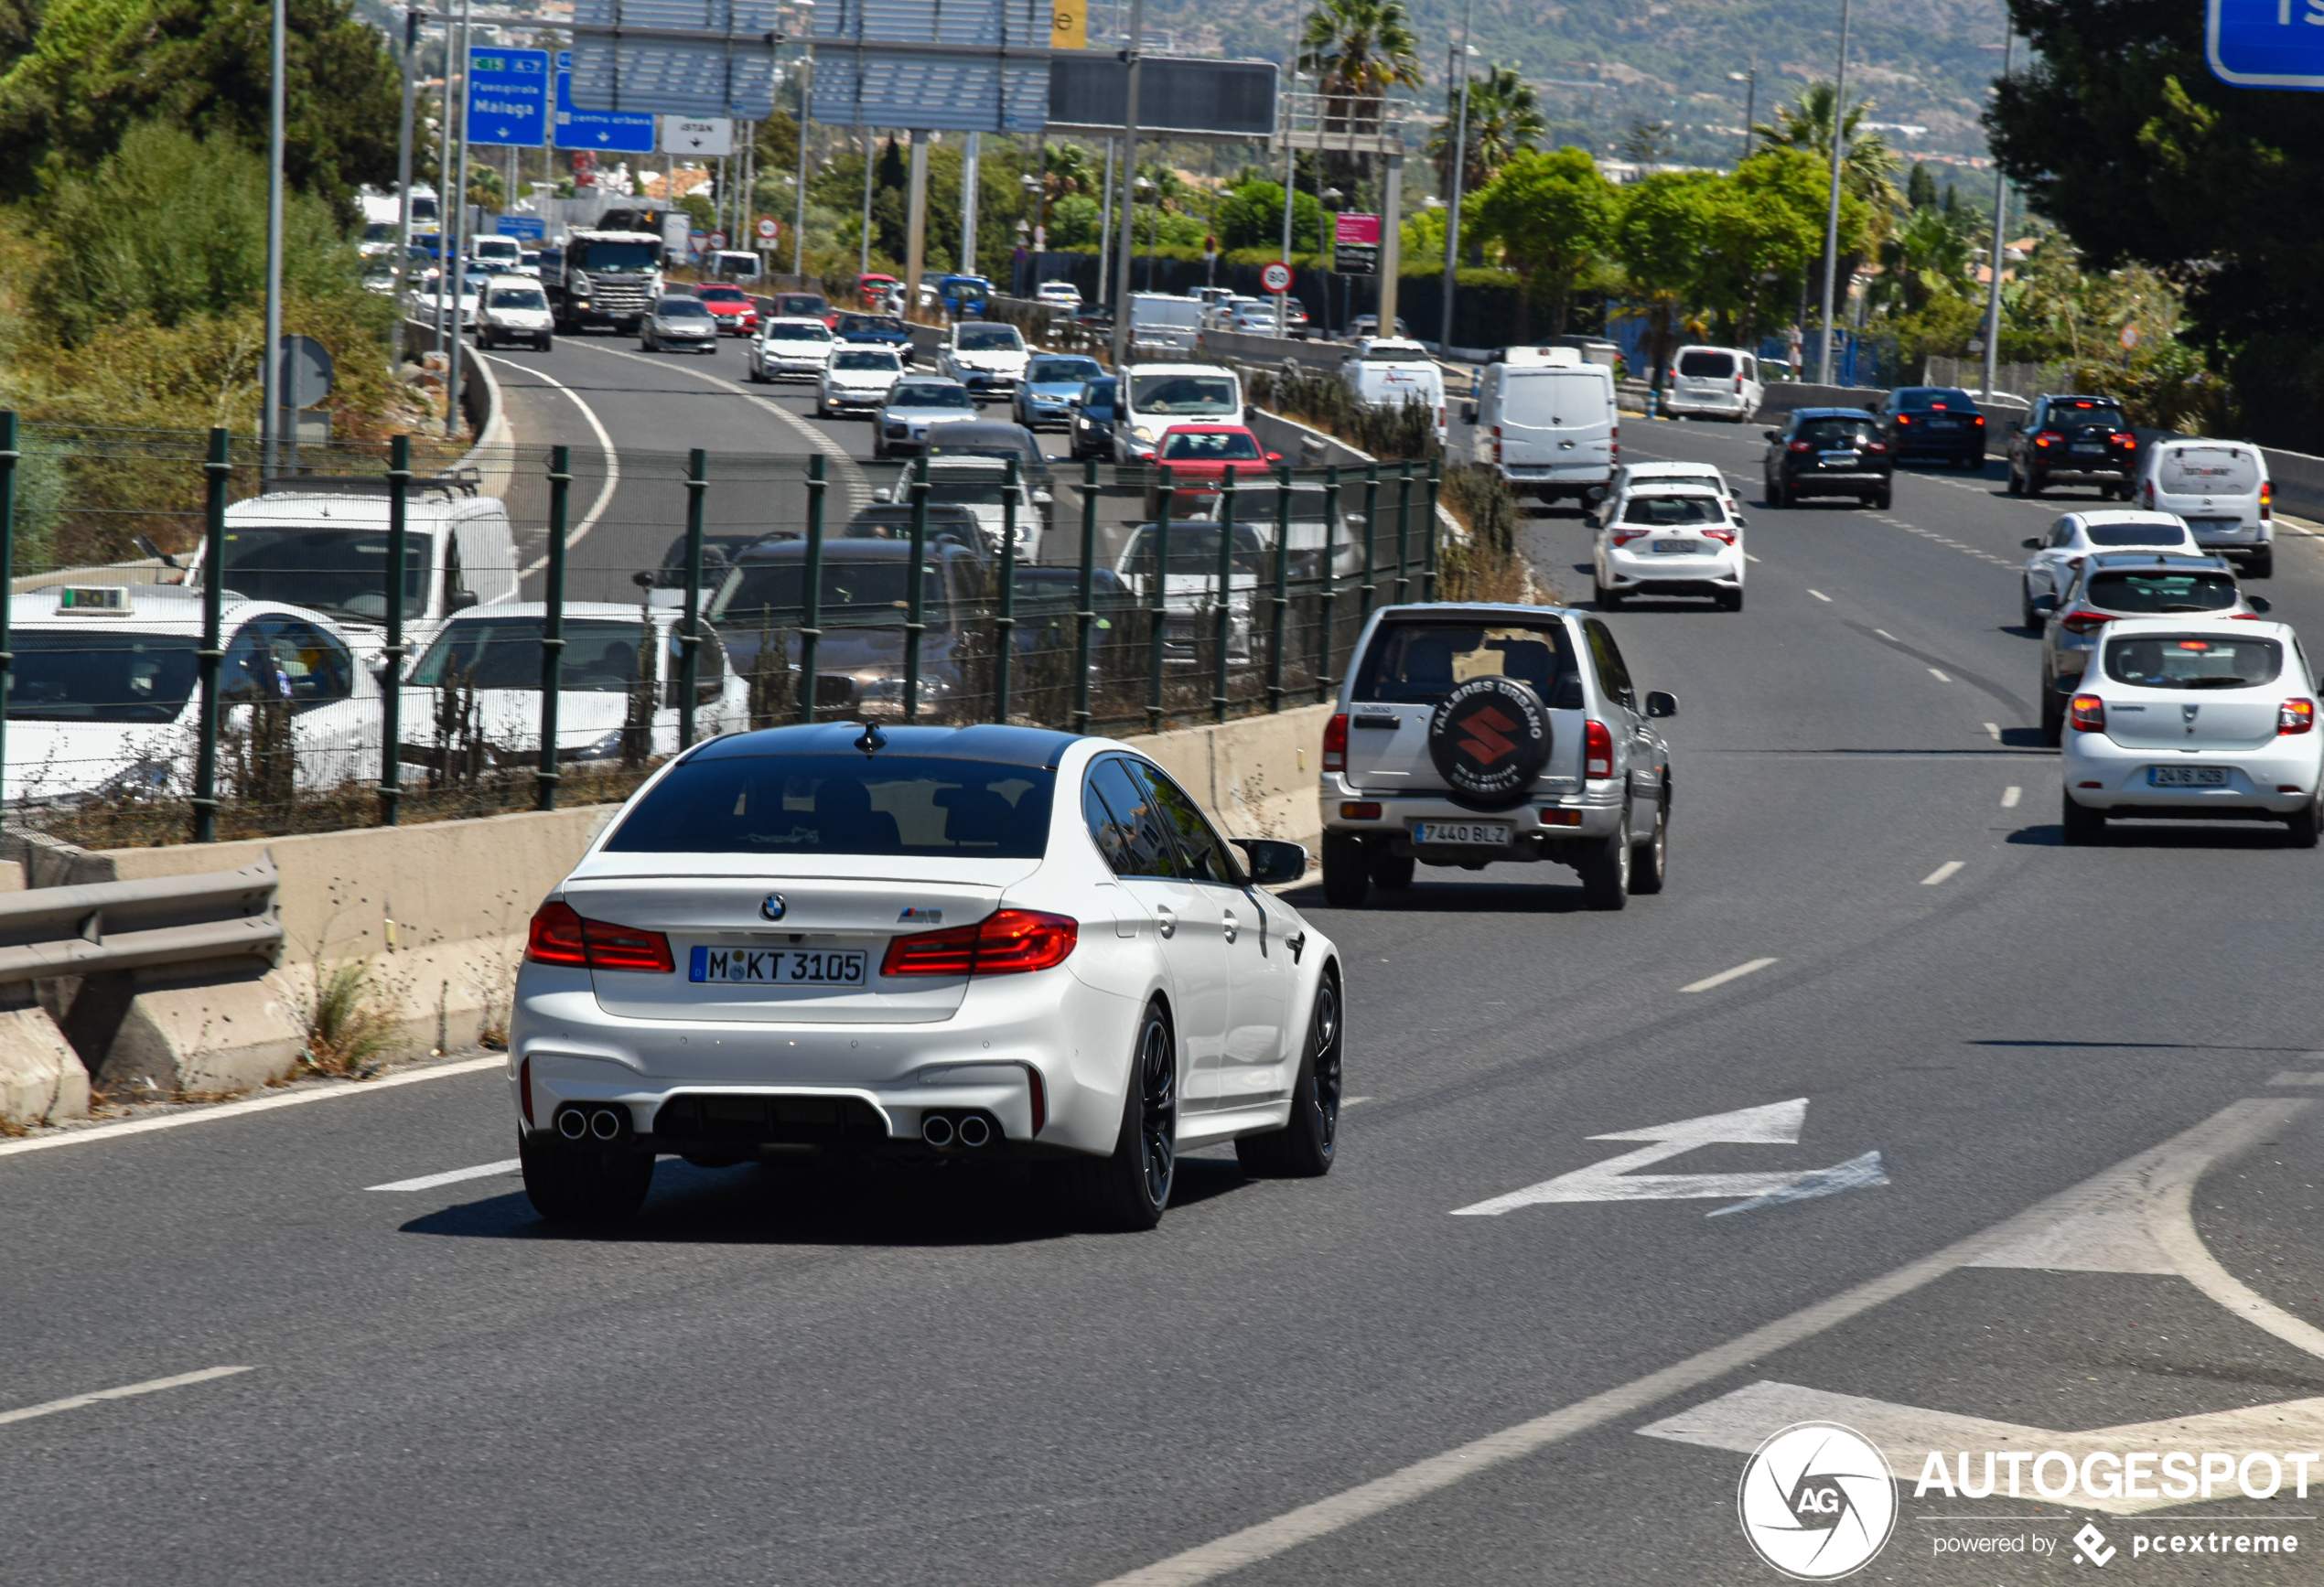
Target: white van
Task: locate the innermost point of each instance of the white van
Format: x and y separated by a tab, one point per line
1389	371
1546	420
499	253
1160	323
1715	382
1153	397
2221	490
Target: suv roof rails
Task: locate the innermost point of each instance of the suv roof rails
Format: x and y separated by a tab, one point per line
467	481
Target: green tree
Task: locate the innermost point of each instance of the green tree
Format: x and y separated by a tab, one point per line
1669	228
1358	49
1553	216
1868	165
1921	189
1767	232
1251	216
99	67
1504	117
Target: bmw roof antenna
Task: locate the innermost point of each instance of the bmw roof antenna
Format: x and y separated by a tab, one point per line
873	739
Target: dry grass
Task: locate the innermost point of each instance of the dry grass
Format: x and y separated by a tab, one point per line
351	1022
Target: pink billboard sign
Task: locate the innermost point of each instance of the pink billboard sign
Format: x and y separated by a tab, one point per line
1357	228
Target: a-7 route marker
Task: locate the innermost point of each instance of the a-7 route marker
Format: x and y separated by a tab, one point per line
1775	1124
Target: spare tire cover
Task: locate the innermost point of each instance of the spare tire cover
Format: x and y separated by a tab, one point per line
1489	739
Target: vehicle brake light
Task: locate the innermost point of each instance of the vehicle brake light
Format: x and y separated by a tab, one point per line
1007	942
2295	716
1622	537
2088	714
2047	437
1876	445
2124	438
1979	421
1904	418
1597	750
560	936
1799	446
2266	498
555	937
1335	743
1738	385
2085	622
1726	535
1358	810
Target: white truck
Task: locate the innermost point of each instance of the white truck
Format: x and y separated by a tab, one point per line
604	278
1545	422
1160	323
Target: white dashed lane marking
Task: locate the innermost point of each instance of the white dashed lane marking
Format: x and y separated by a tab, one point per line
1944	872
1939	676
1724	976
151	1386
1819	595
2010	796
430	1180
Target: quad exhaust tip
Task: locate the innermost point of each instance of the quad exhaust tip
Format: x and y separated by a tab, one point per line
592	1123
974	1131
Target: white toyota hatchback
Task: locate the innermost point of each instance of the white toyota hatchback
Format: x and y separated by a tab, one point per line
981	942
2206	718
1668	539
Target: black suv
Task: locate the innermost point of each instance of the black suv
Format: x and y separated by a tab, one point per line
1828	452
1936	422
2073	441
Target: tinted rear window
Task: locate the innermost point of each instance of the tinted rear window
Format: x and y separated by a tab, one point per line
1672	509
1712	366
2136	534
2193	661
2160	593
1419	664
2086	413
1836	431
1918	397
843	804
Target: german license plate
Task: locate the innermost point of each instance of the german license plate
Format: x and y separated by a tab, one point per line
1487	833
779	966
1678	547
2186	777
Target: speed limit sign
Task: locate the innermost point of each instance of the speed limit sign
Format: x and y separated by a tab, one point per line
767	228
1277	277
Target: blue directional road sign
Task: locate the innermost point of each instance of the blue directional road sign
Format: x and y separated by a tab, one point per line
509	97
608	132
2266	43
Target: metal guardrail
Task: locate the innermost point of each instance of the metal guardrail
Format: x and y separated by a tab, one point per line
109	926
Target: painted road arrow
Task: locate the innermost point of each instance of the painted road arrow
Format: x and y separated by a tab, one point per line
1775	1124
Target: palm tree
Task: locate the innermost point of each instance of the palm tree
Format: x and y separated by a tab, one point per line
1504	117
1868	165
1069	169
1359	49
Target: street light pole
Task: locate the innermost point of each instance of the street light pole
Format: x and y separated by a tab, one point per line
1459	172
2000	248
270	378
1750	101
1832	214
404	177
457	239
799	198
863	251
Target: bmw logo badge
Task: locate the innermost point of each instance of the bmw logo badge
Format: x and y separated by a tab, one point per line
772	907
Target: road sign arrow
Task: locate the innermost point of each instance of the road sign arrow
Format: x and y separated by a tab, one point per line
1774	1124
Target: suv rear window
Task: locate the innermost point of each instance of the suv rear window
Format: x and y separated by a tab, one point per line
2193	661
1709	365
1419	664
843	804
2159	593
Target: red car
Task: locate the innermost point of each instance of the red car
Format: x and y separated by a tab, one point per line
731	307
1198	458
872	289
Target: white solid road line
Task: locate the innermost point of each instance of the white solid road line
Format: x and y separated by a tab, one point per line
152	1386
1724	976
255	1105
605	444
1993	731
2010	796
1891	638
1819	595
430	1180
1944	872
2229	1130
1939	676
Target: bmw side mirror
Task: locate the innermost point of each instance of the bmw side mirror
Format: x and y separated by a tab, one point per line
1661	702
2033	543
2260	603
1271	861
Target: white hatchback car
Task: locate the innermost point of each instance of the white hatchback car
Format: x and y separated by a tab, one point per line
857	380
791	350
2203	718
980	943
2078	536
1644	476
1670	539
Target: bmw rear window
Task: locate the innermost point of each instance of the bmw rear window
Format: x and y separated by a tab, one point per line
2193	661
2156	593
843	804
1419	664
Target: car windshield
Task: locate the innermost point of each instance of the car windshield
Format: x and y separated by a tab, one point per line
619	258
2136	534
1707	364
911	395
1419	664
1670	511
843	804
2193	661
990	339
783	332
1221	447
683	309
517	298
854	594
1060	371
1183	394
332	570
380	231
100	675
2105	413
866	360
999	451
1194	548
2208	470
599	657
2159	592
1836	431
1099	394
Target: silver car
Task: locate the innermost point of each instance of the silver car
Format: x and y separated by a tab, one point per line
914	406
680	324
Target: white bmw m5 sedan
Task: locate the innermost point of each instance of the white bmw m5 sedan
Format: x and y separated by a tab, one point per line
987	941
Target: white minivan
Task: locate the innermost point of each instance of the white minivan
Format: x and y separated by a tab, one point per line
1389	371
2221	490
1156	396
1545	422
1714	382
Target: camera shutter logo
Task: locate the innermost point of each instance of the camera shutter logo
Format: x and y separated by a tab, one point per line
1817	1501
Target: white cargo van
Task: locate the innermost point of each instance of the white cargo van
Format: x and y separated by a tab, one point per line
1546	420
1715	382
2223	490
1389	371
1160	323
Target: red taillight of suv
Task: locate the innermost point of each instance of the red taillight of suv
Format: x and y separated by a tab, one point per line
2266	498
2088	714
1876	445
1597	750
1335	743
1007	942
2085	622
1979	421
1799	446
1904	418
560	936
2124	439
2295	716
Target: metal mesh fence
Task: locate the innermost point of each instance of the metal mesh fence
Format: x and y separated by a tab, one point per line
384	634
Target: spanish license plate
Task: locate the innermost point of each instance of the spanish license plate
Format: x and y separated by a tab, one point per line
1678	547
2186	777
779	966
1944	422
1837	459
1474	833
2215	525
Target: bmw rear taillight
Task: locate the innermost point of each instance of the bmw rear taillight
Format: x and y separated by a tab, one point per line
2266	498
1876	445
2295	716
2124	438
560	936
1335	743
2085	622
2088	714
1597	750
555	937
1007	942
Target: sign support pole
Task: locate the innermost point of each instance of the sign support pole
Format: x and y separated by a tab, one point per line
1122	307
915	225
2000	232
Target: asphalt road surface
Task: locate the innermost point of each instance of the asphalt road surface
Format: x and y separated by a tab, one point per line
1872	943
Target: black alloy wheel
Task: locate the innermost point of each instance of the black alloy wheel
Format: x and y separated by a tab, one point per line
1129	1190
1304	1147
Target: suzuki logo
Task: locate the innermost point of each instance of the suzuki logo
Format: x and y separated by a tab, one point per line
1488	738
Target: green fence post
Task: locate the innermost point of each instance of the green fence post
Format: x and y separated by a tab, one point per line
915	597
8	455
1158	602
1005	619
1428	545
1404	532
1324	583
1370	588
1085	615
811	616
220	471
553	626
689	642
1282	588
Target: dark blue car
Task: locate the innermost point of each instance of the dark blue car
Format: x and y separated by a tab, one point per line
878	330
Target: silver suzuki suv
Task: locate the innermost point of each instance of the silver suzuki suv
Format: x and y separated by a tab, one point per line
1470	734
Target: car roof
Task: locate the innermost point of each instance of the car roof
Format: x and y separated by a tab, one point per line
2106	515
622	611
2236	628
796	319
1470	611
2123	559
990	742
1831	414
1667	467
1180	368
1209	428
1675	487
847	548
